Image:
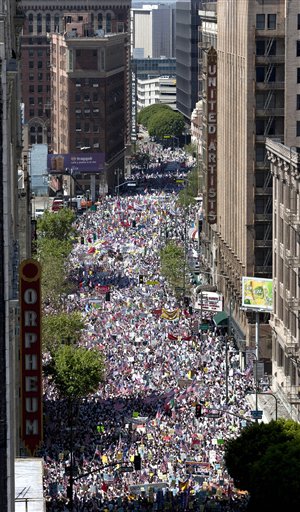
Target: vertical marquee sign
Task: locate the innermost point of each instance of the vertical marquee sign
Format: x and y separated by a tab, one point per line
211	148
31	357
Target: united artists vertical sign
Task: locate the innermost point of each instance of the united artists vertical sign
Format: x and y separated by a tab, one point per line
31	357
211	149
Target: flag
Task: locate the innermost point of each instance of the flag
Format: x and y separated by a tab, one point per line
183	486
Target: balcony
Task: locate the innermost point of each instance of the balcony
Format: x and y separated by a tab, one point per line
269	59
268	112
265	86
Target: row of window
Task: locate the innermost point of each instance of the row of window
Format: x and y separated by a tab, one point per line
39	76
87	127
39	88
269	21
87	143
87	97
40	112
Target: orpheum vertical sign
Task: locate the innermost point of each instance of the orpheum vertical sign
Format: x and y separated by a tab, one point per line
31	357
211	148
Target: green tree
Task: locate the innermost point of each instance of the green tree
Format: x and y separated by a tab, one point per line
52	255
57	225
265	461
147	113
187	195
61	328
77	371
166	122
172	264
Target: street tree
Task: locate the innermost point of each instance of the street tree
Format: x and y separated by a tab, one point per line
265	461
172	264
147	113
61	328
186	196
58	225
52	254
77	371
166	123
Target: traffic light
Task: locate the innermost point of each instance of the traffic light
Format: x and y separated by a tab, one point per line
198	412
107	296
137	462
69	492
141	279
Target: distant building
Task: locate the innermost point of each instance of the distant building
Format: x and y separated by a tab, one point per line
151	68
161	89
152	28
187	24
44	17
88	95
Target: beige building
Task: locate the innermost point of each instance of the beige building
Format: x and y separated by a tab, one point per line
285	169
257	85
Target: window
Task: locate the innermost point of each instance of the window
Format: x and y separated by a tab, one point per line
31	76
260	73
40	64
40	112
95	96
40	52
298	75
30	52
31	100
271	21
86	127
95	53
77	98
100	21
298	129
31	88
78	53
298	102
298	21
298	48
260	21
260	47
31	64
40	76
108	22
260	126
40	88
78	126
31	112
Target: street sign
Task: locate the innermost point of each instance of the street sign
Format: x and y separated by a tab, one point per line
257	415
125	469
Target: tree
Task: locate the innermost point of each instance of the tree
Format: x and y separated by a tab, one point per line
172	264
52	255
265	460
166	122
77	371
57	225
147	113
61	328
187	195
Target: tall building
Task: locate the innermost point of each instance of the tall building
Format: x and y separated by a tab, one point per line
187	24
10	155
257	91
152	29
43	18
285	322
88	94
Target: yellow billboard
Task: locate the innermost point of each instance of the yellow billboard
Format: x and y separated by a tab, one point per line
257	293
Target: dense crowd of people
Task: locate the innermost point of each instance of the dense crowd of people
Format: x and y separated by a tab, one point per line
159	366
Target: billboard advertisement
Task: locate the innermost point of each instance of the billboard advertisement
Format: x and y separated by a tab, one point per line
31	355
76	162
257	293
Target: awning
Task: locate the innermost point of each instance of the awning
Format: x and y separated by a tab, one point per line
221	318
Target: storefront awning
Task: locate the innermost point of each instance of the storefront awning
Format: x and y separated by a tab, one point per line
220	318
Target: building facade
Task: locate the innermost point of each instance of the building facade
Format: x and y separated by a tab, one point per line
151	68
256	96
187	25
10	155
42	19
285	323
88	95
152	31
161	89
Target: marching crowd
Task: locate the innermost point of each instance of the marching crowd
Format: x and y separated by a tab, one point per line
158	368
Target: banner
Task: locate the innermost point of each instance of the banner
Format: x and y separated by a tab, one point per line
170	315
257	293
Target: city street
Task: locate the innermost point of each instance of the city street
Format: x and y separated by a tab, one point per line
158	369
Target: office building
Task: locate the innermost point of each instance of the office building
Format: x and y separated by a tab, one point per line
10	155
88	95
151	68
42	19
256	98
285	171
152	31
187	25
161	89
